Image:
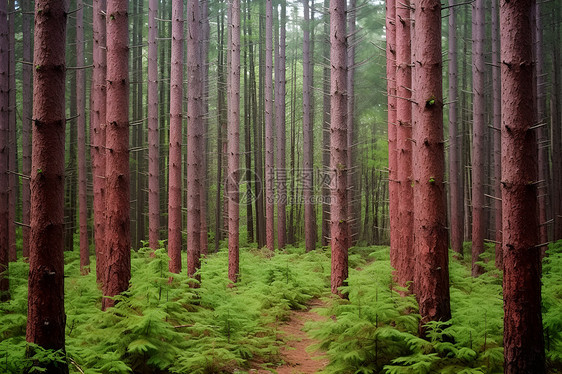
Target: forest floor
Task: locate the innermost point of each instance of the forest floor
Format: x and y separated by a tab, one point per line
296	353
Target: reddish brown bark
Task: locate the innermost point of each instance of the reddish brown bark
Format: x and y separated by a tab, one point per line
12	141
234	142
455	140
405	241
496	97
4	118
556	154
27	99
194	138
174	160
81	122
391	107
206	29
339	232
118	225
523	334
308	137
45	316
153	137
97	136
280	126
478	135
326	128
430	215
269	137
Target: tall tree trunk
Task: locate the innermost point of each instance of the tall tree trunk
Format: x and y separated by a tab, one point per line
97	136
81	112
153	137
164	106
248	137
71	140
455	140
194	138
339	233
524	347
392	130
308	138
205	35
404	145
27	108
45	315
556	154
269	137
12	142
234	141
118	225
4	148
478	135
280	126
220	124
326	126
496	95
430	214
174	163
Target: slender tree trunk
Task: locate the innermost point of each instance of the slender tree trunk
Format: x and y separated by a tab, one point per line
326	126
308	138
27	108
153	137
97	136
205	35
118	225
174	163
234	142
478	135
455	139
220	124
248	137
12	143
496	97
269	137
45	316
4	149
194	138
524	347
404	175
164	106
280	126
81	113
430	213
556	154
71	139
392	130
339	233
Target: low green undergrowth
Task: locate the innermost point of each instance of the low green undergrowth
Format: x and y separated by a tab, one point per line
161	325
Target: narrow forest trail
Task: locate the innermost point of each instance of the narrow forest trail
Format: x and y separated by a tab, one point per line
297	359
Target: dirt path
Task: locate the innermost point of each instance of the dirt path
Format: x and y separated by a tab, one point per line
294	353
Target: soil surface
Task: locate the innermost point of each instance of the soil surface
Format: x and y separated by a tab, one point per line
297	359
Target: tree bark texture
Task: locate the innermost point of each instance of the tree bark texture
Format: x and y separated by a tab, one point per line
269	135
478	135
97	134
81	122
12	142
405	242
194	138
430	215
456	220
523	335
308	138
497	118
153	136
4	148
234	143
118	224
339	233
280	126
326	127
354	205
45	316
174	158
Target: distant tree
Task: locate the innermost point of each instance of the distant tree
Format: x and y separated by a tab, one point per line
4	148
523	347
430	215
280	107
326	124
497	118
339	233
118	225
45	315
27	107
269	135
